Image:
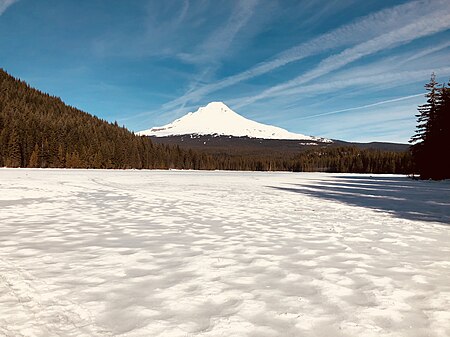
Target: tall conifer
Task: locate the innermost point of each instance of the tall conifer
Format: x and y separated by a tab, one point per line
432	138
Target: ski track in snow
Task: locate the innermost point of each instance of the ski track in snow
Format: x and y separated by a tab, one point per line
177	253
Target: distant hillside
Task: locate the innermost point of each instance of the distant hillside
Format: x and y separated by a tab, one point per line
39	130
278	148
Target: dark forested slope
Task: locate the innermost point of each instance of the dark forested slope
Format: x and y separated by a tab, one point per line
39	130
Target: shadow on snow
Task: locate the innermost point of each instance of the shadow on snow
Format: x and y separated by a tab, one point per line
400	196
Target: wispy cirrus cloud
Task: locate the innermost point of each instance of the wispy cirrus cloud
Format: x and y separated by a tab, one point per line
148	34
362	29
217	45
423	26
406	63
219	41
4	4
365	106
361	80
380	123
426	52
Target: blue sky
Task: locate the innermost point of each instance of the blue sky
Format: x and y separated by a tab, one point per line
343	69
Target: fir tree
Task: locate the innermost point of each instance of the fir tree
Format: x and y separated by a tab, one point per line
440	136
431	139
427	112
14	151
34	159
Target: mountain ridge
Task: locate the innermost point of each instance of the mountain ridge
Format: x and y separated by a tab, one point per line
216	118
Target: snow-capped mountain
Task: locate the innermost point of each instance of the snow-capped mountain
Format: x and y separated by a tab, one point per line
218	119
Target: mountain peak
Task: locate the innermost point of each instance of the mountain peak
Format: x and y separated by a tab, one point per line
216	118
216	105
216	110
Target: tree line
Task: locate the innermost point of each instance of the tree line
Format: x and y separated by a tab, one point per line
39	130
322	159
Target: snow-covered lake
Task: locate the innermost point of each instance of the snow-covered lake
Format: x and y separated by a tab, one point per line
176	253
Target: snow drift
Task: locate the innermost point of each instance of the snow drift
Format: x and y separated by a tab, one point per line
177	253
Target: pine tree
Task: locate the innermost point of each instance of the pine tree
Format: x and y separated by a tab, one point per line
14	158
440	133
61	159
432	139
427	111
34	158
419	149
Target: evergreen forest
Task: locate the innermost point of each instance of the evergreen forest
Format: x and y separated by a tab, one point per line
40	130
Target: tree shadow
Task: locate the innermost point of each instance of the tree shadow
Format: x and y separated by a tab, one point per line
400	196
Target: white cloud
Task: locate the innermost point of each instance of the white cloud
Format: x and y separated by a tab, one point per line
372	124
384	80
220	40
363	106
426	52
356	32
363	78
4	4
423	26
216	46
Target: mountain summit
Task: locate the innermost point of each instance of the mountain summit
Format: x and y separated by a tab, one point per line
218	119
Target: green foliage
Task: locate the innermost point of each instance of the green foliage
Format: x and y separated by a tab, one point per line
432	138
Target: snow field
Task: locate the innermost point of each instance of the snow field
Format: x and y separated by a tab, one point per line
179	253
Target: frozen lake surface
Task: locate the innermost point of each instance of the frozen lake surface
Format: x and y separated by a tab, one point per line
176	253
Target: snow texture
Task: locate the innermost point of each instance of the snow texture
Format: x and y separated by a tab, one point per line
179	253
218	119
